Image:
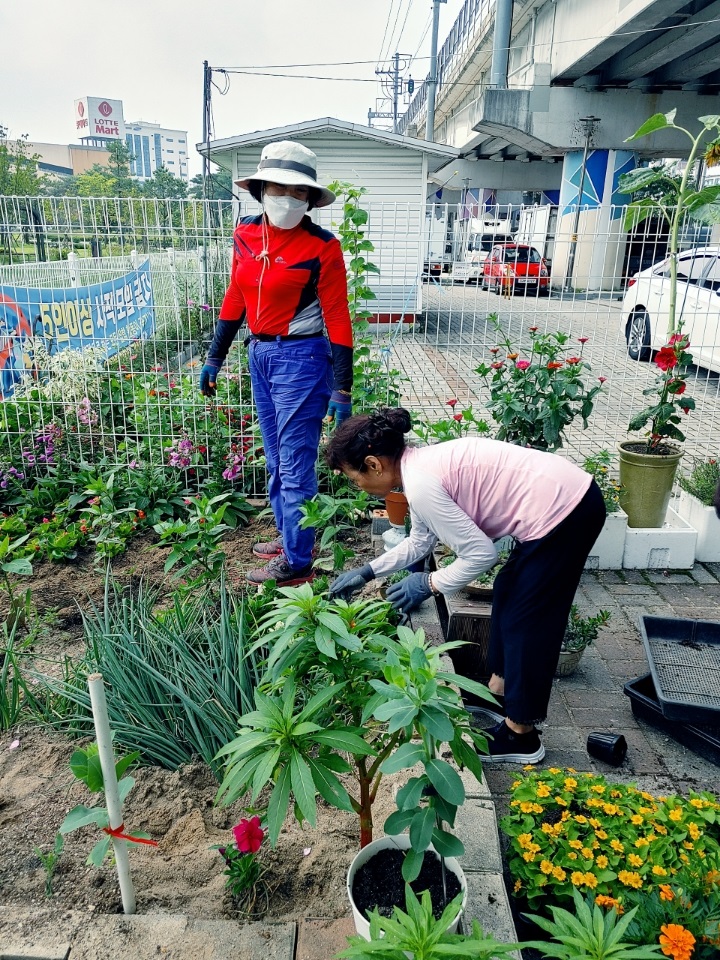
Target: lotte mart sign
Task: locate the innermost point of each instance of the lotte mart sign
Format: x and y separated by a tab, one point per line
96	117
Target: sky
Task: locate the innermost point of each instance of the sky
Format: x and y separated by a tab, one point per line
150	53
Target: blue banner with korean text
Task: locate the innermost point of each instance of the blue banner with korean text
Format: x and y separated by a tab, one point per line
108	316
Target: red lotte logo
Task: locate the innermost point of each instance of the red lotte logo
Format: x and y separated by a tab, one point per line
105	108
81	109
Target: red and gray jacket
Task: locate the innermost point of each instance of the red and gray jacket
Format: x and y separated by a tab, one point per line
299	289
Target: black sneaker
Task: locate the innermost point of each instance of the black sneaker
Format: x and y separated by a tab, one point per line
506	746
484	709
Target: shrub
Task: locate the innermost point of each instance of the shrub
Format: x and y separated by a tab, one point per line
703	481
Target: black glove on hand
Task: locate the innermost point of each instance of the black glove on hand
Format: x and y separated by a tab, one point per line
208	378
351	581
410	592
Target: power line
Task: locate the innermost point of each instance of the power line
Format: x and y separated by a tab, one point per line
382	45
389	46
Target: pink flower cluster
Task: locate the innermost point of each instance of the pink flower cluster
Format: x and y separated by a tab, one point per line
180	452
234	468
86	414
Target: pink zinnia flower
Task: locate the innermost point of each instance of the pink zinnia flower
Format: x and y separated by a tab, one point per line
249	835
522	364
574	360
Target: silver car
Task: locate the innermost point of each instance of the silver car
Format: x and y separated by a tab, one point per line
646	302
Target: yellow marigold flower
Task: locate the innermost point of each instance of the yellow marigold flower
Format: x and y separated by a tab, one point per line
536	808
630	879
546	866
701	854
661	829
675	814
609	902
611	809
594	802
712	877
543	790
528	856
560	801
565	815
591	880
697	802
569	784
601	835
518	886
559	874
617	846
644	810
642	842
651	837
685	858
558	828
526	806
573	770
580	818
514	803
646	796
554	770
547	828
688	845
594	822
602	861
572	855
529	766
587	853
534	848
576	844
525	839
595	844
577	878
636	819
598	788
676	941
616	794
666	892
634	860
659	871
694	831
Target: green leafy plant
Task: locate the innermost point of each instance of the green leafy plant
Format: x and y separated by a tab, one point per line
195	540
335	517
581	631
673	199
589	934
664	413
455	425
599	466
49	860
535	398
177	675
85	765
415	932
337	682
244	869
15	692
572	830
702	480
14	565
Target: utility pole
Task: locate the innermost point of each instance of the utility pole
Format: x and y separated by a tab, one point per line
432	79
589	128
207	122
392	89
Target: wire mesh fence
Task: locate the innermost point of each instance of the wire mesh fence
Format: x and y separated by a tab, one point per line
447	272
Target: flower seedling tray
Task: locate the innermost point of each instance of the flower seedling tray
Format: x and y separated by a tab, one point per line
701	739
684	659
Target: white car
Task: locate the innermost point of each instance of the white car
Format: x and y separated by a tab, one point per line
644	320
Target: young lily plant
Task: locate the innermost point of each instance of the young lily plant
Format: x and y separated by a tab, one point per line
338	683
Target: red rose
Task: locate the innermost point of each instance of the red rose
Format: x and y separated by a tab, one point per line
249	835
666	358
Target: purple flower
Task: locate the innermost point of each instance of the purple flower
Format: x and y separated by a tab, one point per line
234	470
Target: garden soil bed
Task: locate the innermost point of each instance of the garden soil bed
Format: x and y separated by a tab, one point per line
306	871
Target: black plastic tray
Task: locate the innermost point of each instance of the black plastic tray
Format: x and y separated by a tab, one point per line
703	740
684	660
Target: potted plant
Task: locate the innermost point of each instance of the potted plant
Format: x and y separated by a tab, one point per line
607	552
342	682
647	467
397	508
579	633
696	505
535	396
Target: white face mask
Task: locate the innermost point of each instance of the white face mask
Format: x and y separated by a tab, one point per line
284	212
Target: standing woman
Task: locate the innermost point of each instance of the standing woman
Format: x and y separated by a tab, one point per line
288	283
467	493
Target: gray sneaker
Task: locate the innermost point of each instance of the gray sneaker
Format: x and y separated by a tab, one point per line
279	569
268	550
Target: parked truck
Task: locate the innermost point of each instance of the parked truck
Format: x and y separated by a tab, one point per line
477	239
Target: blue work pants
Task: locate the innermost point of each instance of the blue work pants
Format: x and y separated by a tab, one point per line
291	382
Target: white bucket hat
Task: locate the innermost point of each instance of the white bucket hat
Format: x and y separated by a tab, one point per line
291	164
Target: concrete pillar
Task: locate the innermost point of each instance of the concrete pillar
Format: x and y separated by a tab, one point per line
601	236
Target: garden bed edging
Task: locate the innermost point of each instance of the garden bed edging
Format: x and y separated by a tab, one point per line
705	521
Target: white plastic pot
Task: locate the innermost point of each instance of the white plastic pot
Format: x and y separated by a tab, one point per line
399	842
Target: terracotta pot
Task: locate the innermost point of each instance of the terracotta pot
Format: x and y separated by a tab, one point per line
647	480
397	508
399	842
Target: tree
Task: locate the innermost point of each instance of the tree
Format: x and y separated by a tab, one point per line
19	176
164	185
220	186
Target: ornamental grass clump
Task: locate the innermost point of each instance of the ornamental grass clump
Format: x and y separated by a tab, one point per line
573	830
536	395
702	481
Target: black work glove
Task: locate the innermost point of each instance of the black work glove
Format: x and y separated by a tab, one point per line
351	581
208	377
410	592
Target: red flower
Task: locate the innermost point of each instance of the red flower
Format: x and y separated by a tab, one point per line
583	340
249	835
450	403
512	356
677	387
522	364
679	338
554	365
457	416
494	349
498	365
533	329
666	358
686	410
574	360
602	379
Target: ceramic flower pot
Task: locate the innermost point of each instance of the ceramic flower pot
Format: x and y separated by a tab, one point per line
397	508
647	480
568	662
399	842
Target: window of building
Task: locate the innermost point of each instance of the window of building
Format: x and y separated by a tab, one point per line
169	139
182	153
158	150
169	151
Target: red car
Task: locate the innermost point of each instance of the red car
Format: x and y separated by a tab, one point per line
516	268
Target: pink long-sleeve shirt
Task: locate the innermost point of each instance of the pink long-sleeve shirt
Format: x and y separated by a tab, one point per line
467	493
